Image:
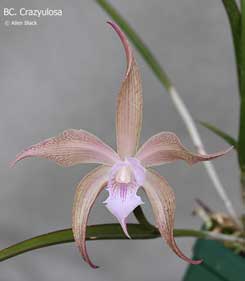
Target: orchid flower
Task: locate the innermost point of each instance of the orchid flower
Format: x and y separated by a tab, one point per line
123	172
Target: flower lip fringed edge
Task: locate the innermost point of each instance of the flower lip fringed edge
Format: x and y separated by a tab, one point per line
123	172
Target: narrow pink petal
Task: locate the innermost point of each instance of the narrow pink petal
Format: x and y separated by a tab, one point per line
166	147
162	199
129	104
70	148
85	196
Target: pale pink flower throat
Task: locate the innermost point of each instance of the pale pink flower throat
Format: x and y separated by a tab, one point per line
125	178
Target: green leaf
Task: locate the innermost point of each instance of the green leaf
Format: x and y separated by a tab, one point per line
230	140
138	43
234	17
241	145
96	232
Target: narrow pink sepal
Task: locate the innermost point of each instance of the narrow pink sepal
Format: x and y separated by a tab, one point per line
162	200
124	40
86	193
129	103
166	147
70	148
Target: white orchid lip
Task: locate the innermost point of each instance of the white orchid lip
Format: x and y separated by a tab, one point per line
125	178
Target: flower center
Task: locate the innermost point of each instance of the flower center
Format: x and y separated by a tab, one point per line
124	175
125	178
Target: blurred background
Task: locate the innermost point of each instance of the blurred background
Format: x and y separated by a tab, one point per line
65	73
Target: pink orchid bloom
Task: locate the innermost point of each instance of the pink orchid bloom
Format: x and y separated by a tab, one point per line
122	173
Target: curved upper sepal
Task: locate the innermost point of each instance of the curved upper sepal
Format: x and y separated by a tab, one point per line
162	200
166	147
129	103
70	148
86	193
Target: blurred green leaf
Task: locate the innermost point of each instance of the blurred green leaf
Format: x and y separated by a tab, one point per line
230	140
234	17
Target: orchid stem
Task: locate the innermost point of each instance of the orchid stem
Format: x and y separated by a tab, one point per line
141	218
104	232
192	129
178	102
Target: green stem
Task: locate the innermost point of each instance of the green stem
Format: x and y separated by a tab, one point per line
96	232
242	88
243	186
102	232
242	182
141	218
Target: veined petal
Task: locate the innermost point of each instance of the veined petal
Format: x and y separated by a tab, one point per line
86	193
166	147
162	200
70	148
129	104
